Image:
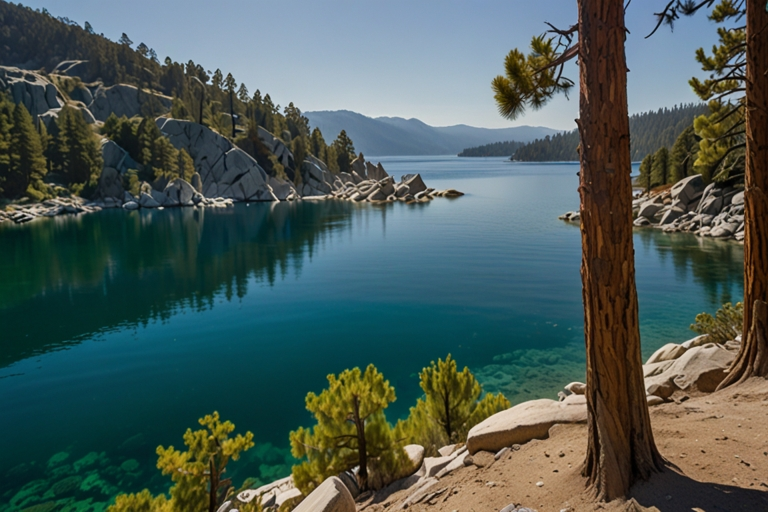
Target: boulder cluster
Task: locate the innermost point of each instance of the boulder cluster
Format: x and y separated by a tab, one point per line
672	373
690	206
49	208
225	174
366	182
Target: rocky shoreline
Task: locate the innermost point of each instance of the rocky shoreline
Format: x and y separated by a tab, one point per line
224	173
690	206
674	373
235	177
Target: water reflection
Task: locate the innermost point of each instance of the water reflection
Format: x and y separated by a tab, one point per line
716	265
115	267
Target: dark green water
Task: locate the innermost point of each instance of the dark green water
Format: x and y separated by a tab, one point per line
120	329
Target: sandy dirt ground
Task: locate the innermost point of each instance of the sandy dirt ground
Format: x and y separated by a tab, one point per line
716	446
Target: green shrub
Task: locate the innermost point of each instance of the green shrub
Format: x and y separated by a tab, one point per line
724	326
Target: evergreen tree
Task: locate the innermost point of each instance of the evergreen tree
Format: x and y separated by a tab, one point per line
300	150
242	93
317	144
6	123
351	430
88	28
165	158
683	155
185	165
659	167
125	40
645	179
298	125
77	150
620	448
143	50
218	79
345	151
28	165
198	472
147	135
451	404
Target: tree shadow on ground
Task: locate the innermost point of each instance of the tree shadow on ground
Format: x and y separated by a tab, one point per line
671	491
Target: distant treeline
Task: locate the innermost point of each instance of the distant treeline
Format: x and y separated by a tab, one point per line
494	149
650	132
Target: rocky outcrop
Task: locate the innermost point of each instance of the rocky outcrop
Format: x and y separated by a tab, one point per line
33	90
690	206
117	158
526	421
110	184
331	496
49	208
126	100
699	369
225	170
319	182
277	147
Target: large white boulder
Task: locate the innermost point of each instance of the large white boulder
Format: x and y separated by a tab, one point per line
414	182
331	496
179	192
668	352
526	421
688	189
110	184
649	209
698	369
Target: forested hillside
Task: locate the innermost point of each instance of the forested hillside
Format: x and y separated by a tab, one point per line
44	153
649	132
495	149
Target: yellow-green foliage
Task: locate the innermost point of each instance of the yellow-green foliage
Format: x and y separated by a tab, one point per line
140	502
451	406
721	152
724	326
196	473
350	411
201	466
186	166
529	80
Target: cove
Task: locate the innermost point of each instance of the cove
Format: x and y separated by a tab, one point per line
120	329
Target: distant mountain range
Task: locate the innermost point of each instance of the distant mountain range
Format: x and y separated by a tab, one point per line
394	136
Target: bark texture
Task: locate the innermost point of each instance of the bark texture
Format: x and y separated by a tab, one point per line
621	448
752	360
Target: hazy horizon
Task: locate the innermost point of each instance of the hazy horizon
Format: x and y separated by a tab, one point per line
425	60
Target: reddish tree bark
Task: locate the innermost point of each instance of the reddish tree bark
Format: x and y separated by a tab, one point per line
752	360
621	447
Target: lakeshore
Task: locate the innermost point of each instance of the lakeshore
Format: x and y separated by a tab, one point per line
153	288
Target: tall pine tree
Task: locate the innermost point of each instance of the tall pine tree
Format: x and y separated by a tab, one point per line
27	166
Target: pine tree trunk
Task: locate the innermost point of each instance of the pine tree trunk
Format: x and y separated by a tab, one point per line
621	449
362	448
752	360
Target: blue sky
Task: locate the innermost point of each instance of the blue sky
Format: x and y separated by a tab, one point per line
433	60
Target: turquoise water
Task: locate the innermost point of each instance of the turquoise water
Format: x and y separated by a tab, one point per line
120	329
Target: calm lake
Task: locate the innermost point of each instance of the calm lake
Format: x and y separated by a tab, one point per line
119	329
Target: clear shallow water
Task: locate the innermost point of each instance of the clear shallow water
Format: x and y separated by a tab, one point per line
120	329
